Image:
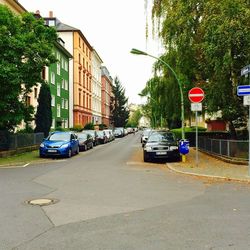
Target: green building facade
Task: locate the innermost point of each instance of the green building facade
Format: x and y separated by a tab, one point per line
58	79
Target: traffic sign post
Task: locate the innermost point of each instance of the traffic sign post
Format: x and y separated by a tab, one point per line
196	96
244	90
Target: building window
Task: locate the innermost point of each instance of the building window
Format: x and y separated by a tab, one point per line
43	73
66	84
83	47
66	65
66	104
58	89
27	100
62	63
58	111
58	68
66	123
80	97
35	93
52	77
83	79
53	123
63	84
79	40
87	52
53	101
63	103
80	77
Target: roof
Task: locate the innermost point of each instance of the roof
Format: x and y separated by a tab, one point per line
62	27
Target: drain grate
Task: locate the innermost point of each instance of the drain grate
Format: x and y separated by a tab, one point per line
42	201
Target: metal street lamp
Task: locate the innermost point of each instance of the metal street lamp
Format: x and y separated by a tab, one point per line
139	52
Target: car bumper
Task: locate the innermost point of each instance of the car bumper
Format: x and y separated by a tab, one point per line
54	152
162	154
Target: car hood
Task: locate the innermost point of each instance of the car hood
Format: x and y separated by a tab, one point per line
55	143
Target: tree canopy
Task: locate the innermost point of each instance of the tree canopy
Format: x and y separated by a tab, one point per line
207	43
27	46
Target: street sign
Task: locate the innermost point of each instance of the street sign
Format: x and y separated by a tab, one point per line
243	90
196	106
196	94
246	100
245	70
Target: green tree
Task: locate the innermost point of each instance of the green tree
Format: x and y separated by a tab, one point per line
207	43
43	116
26	46
134	118
119	110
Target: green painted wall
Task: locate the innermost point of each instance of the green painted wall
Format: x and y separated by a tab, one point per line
58	77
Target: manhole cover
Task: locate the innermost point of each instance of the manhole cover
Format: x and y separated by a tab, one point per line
42	201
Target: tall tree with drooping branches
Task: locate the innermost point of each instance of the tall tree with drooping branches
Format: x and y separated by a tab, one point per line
210	41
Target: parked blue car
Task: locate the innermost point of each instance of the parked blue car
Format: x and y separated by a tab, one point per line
60	144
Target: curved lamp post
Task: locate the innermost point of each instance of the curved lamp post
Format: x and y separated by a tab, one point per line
139	52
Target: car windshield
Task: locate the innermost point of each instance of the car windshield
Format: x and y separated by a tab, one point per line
82	136
146	132
100	132
159	137
91	132
60	137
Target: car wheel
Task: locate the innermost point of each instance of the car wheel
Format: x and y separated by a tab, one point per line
69	153
92	145
77	150
42	156
145	157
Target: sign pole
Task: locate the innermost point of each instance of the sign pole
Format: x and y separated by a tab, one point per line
196	139
248	130
249	140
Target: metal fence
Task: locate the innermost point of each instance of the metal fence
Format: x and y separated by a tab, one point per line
227	148
10	142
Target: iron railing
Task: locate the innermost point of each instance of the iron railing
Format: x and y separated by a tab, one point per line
237	149
10	142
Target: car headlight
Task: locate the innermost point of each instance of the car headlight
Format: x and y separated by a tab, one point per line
64	146
173	148
147	148
42	145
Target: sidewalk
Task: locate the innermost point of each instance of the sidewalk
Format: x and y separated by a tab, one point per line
209	166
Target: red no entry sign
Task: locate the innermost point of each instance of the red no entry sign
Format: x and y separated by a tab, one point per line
196	94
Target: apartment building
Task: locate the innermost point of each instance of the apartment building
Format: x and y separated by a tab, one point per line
107	82
57	76
96	88
80	89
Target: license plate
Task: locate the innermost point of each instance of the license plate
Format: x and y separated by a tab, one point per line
52	150
161	153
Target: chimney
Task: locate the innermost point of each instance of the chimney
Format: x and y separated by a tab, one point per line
38	12
51	14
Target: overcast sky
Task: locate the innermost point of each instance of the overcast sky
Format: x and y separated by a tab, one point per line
112	27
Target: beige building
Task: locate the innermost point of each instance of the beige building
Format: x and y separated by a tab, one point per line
14	5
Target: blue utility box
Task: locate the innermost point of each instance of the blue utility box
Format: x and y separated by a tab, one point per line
184	146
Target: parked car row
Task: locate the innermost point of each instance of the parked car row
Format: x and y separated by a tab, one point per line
159	144
69	143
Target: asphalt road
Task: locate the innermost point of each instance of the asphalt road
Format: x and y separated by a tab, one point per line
108	199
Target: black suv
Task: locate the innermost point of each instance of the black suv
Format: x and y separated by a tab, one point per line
161	145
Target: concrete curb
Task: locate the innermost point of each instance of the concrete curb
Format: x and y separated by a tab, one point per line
214	177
